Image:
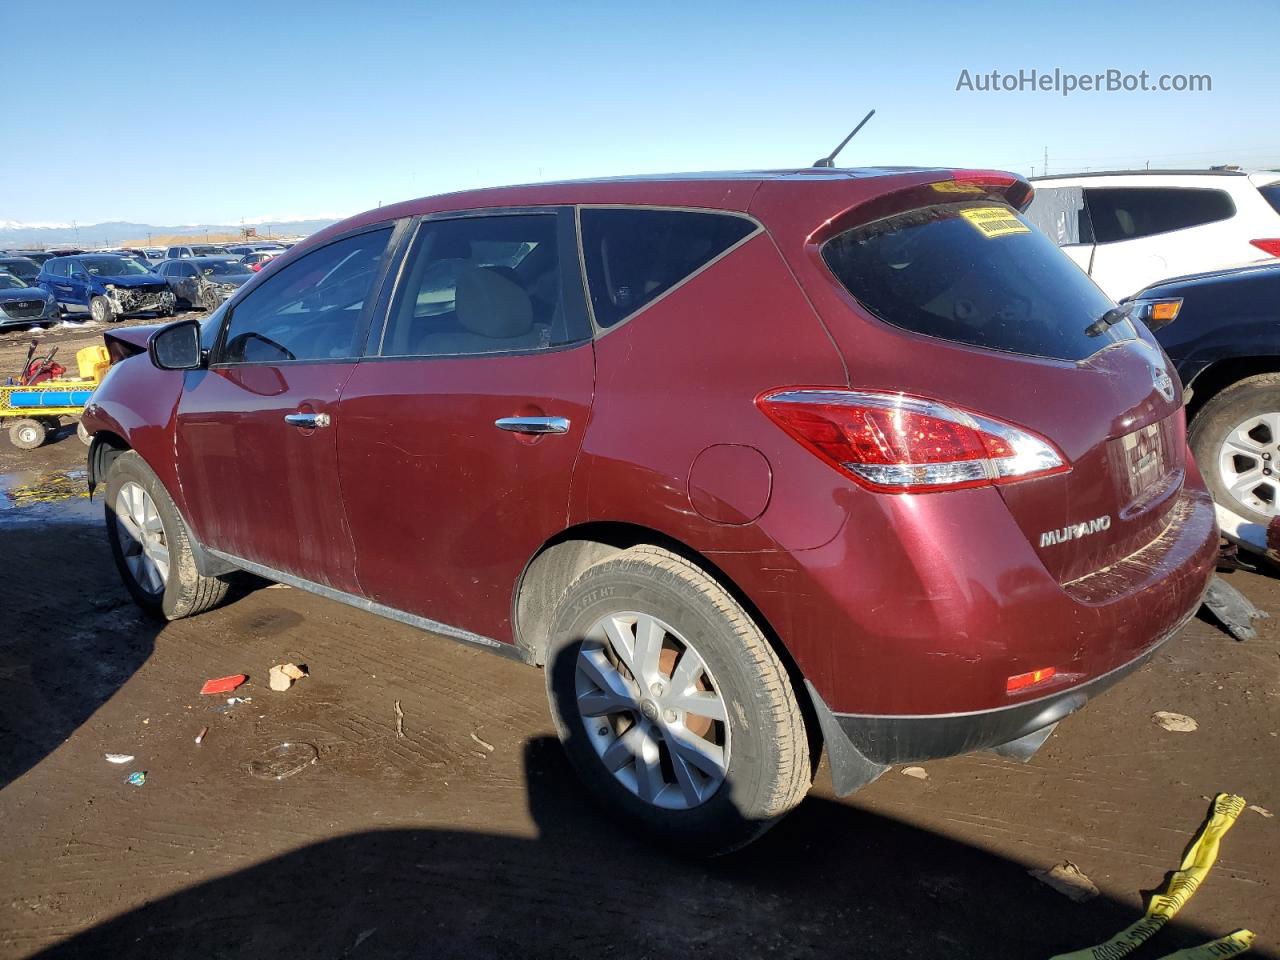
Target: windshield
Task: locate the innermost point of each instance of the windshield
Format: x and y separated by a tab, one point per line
26	269
974	272
9	282
201	250
113	267
227	269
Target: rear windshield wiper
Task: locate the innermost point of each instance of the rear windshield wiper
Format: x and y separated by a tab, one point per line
1109	319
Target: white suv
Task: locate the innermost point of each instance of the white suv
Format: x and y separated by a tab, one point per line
1130	229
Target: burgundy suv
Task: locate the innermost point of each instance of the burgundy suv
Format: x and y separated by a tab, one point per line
752	463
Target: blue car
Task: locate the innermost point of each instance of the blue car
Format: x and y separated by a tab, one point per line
22	305
105	287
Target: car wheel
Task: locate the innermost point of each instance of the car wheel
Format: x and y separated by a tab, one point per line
151	546
100	310
210	300
28	434
672	705
1236	442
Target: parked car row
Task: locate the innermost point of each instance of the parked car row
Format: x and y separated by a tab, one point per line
121	283
754	464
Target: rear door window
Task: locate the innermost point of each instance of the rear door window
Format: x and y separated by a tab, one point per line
312	309
1128	213
633	256
487	284
975	273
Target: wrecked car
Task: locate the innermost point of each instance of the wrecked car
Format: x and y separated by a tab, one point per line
23	304
105	288
204	282
752	464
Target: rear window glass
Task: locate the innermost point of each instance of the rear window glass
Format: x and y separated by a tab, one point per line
1272	194
1127	213
973	273
634	256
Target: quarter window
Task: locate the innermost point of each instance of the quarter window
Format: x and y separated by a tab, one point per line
633	256
58	268
481	285
312	309
1128	213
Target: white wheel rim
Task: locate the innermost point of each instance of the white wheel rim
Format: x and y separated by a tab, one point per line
652	711
95	310
142	538
1247	463
28	434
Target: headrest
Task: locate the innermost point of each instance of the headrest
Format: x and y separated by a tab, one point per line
491	305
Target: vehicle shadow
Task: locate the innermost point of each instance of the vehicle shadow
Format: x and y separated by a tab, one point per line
831	880
71	636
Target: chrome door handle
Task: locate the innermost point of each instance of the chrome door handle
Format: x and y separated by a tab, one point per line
308	420
533	424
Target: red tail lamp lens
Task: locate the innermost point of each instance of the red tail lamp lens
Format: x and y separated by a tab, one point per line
897	443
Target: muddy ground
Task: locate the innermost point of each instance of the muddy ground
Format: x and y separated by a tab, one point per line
468	836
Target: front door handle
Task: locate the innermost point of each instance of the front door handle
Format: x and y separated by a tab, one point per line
533	424
308	421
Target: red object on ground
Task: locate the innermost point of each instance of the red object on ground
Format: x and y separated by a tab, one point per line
223	684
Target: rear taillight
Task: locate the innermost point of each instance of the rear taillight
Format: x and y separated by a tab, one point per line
896	443
1268	246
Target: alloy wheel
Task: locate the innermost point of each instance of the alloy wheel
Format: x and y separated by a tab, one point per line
1247	463
142	538
652	710
96	311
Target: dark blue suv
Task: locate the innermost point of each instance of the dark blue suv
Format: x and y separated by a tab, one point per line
105	287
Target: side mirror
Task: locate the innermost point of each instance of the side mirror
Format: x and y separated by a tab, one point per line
177	346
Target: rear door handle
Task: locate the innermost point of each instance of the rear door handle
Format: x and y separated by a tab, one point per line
533	424
308	421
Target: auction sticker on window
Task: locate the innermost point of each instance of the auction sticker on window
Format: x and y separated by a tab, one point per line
994	221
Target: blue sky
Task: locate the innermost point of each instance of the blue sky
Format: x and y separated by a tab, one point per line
215	112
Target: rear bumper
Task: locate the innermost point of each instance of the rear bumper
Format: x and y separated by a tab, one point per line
862	746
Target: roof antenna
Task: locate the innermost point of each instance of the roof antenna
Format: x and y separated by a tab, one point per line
829	159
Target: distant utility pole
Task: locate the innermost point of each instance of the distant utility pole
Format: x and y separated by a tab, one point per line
1046	161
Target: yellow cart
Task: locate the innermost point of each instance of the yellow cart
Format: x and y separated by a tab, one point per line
32	413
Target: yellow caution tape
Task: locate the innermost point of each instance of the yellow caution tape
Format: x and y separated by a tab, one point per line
1186	880
1232	945
994	221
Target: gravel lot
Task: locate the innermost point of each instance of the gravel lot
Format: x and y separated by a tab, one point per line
467	836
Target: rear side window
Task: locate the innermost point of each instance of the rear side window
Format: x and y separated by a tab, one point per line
1128	213
634	256
1271	193
310	310
58	268
973	273
486	284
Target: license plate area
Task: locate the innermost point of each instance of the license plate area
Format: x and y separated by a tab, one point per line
1142	462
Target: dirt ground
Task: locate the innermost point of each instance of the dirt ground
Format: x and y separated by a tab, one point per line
468	836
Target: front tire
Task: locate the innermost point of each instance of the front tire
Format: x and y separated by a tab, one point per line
100	310
672	706
1235	438
151	546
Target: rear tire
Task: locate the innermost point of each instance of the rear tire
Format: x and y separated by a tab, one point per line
151	546
28	434
1249	408
702	782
